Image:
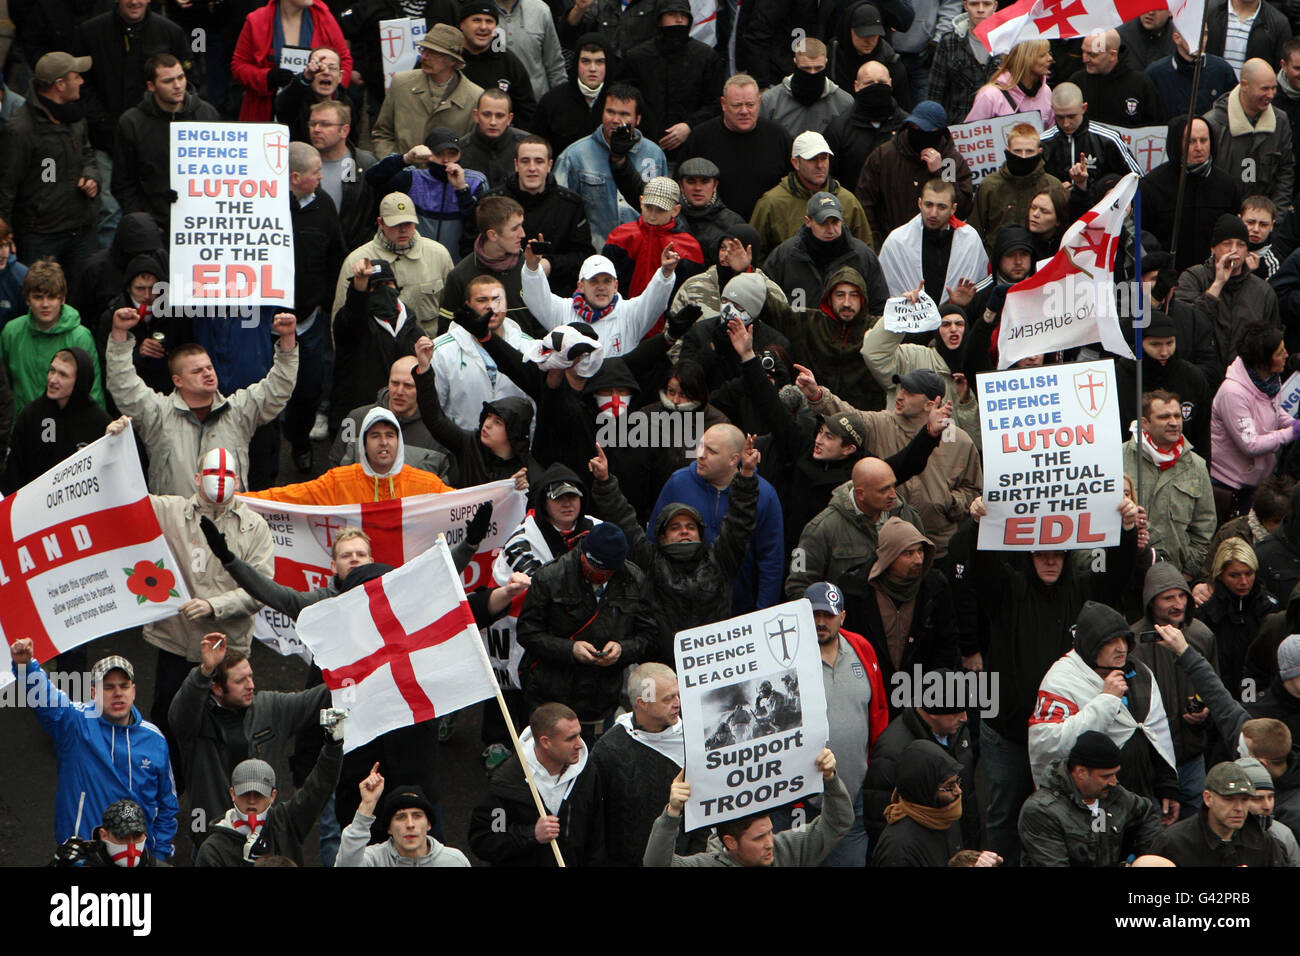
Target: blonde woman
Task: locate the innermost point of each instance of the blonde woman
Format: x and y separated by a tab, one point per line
1021	85
1236	608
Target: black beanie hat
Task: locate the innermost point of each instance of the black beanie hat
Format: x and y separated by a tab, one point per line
1228	226
1093	750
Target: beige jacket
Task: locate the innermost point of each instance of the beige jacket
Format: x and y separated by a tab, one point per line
172	433
421	274
232	606
952	478
408	113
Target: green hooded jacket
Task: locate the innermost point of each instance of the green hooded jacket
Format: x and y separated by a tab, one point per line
26	352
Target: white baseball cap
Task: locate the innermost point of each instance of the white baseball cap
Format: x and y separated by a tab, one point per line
594	266
809	145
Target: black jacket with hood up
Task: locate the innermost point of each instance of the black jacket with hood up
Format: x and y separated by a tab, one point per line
35	447
923	766
102	277
1279	553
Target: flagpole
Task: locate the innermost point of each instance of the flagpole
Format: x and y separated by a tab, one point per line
1137	336
510	726
1187	133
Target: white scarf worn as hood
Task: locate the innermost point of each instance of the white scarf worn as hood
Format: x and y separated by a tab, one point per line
378	414
670	742
553	791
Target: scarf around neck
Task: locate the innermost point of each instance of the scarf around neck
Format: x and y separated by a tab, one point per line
1269	386
590	313
932	818
499	264
1163	459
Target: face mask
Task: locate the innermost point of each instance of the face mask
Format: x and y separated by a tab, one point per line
217	476
675	35
730	311
1020	165
922	140
382	301
875	100
668	403
612	405
125	854
807	88
682	551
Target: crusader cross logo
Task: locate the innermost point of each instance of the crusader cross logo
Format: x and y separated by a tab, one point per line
1090	390
324	529
782	638
275	146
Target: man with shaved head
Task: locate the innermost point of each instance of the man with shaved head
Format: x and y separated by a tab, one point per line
705	486
1120	95
844	535
1077	152
422	450
1252	138
875	116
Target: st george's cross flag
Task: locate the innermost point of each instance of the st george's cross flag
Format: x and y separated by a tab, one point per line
82	554
1070	301
1063	19
400	649
399	530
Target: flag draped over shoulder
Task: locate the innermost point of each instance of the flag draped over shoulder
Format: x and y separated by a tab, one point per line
399	649
1070	301
1064	19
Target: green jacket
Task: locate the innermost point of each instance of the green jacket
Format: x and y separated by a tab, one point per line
780	212
1180	507
838	539
26	352
1004	198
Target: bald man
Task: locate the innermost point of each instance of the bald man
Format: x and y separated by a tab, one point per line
1120	95
421	449
844	535
875	116
1078	152
705	487
1252	138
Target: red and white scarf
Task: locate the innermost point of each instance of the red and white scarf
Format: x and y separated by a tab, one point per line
1164	459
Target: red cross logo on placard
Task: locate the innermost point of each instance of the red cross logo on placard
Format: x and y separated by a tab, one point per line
329	526
275	146
1058	15
388	38
397	649
1149	150
131	854
1085	382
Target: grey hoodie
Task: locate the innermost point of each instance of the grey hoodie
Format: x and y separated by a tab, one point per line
354	852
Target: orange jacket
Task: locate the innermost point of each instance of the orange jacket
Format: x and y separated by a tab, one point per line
349	484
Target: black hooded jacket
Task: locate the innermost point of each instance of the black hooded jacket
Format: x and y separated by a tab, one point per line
45	434
1142	769
981	353
1178	376
1205	199
100	278
364	352
679	82
1030	621
845	61
852	136
559	542
563	116
175	329
923	766
141	171
475	463
502	70
1279	553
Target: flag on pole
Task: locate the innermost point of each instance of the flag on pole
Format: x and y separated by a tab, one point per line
400	649
1071	301
1064	19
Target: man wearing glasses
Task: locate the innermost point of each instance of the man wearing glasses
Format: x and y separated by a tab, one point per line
329	129
317	83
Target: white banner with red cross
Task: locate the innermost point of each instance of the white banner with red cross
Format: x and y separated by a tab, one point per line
401	649
398	45
1064	19
231	235
399	531
82	554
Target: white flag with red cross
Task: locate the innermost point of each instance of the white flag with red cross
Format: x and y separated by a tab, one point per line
1070	301
399	530
1064	19
82	554
400	649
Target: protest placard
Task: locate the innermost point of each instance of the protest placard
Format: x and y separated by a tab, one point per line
397	45
1146	143
231	236
983	143
1053	467
399	530
1289	397
294	58
754	712
903	316
82	554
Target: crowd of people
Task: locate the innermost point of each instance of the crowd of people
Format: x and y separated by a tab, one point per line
577	223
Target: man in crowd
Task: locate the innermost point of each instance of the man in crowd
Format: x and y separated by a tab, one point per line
1120	94
490	148
703	212
1246	126
343	167
806	100
420	449
1223	834
1077	152
437	94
